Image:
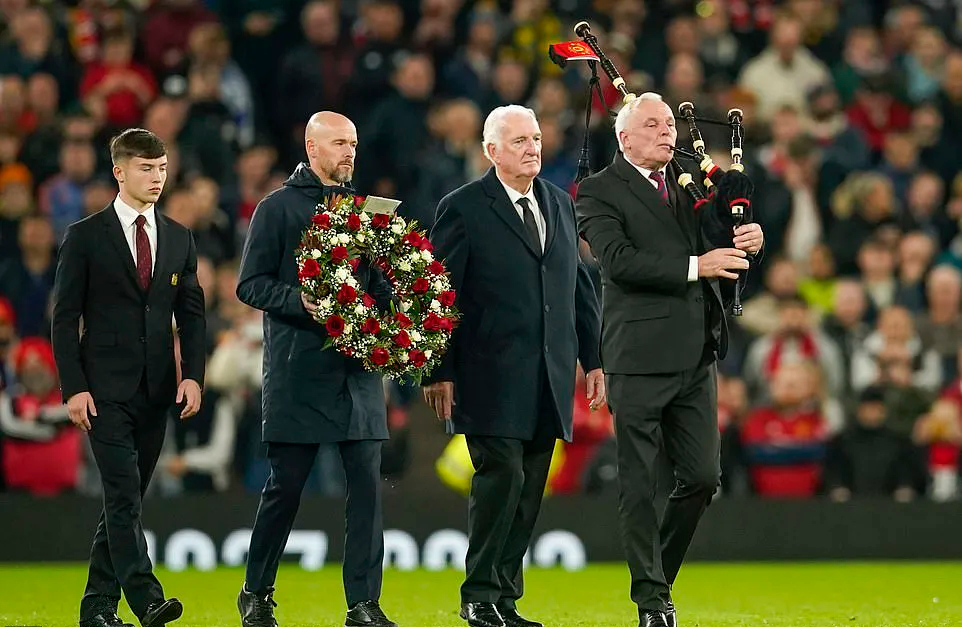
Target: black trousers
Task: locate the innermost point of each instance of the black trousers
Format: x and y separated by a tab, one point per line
364	541
678	411
506	491
126	439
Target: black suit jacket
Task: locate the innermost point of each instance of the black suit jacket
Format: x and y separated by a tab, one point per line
125	330
310	394
524	313
655	320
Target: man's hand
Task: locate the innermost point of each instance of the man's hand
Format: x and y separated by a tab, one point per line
309	305
78	406
596	388
720	263
189	390
440	398
749	237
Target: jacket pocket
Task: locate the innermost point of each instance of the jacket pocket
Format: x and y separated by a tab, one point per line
650	311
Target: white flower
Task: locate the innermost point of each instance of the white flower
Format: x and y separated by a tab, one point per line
360	237
435	305
333	239
397	227
404	266
342	273
351	281
359	309
344	238
415	336
404	357
427	353
325	303
439	286
315	254
405	305
415	256
390	240
365	216
348	328
427	256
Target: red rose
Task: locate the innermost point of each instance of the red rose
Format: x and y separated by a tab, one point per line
322	220
425	244
309	269
436	267
402	339
358	201
447	298
413	239
420	286
339	254
368	300
379	356
371	325
381	220
432	322
353	222
447	324
354	262
417	358
403	321
346	295
334	326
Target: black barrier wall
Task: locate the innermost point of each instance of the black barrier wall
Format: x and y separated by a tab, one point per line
427	530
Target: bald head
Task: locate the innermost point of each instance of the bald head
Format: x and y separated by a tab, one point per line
331	143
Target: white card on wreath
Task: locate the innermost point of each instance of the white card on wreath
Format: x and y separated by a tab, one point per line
377	204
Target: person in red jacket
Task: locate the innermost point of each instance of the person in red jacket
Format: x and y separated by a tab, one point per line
784	443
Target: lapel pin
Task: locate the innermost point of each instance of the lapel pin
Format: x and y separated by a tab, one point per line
173	279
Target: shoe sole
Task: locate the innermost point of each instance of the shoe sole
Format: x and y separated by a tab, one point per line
171	613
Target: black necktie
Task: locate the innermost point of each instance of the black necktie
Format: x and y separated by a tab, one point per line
529	224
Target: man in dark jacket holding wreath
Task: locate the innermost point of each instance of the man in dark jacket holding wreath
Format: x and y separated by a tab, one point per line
311	395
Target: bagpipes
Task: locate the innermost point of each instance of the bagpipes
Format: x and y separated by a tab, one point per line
730	189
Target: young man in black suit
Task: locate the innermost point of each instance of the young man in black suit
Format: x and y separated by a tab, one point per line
122	273
664	312
312	395
530	313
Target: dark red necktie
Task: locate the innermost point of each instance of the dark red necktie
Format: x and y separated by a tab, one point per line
143	253
662	188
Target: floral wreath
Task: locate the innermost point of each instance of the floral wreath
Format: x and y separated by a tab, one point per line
410	340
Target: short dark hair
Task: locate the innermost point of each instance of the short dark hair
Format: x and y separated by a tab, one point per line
136	142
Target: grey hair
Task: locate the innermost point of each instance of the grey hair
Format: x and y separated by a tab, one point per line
622	120
495	122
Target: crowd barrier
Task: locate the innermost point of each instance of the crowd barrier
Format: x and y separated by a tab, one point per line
425	528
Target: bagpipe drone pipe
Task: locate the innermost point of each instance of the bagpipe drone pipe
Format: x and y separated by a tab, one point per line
727	194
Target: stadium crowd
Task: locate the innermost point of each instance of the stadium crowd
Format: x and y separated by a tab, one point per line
843	380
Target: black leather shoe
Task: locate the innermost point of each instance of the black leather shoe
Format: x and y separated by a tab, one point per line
653	618
107	618
670	615
511	618
481	615
367	614
162	612
256	610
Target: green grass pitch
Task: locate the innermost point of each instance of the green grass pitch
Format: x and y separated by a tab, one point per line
707	595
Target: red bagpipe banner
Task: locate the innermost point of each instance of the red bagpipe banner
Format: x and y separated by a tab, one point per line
571	51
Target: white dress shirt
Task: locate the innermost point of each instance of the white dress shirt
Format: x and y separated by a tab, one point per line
127	215
645	172
514	196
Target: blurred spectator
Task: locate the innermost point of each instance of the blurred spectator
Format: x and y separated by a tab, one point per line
916	251
785	72
28	280
166	33
940	433
895	343
924	65
209	46
760	315
818	287
62	196
16	201
590	430
469	73
721	51
116	89
784	441
379	51
846	325
41	448
941	326
863	204
8	335
937	151
35	48
924	208
870	459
